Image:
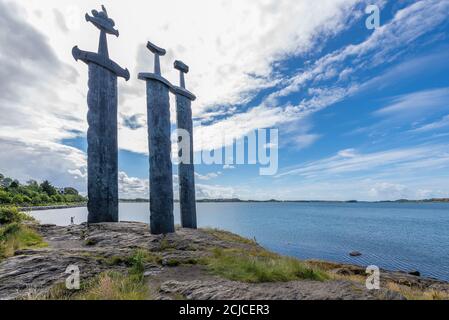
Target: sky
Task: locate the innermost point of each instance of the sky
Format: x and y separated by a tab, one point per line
361	114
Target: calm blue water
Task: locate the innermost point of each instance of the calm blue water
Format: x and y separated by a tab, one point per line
391	236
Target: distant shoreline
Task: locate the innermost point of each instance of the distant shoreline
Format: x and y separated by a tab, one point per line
56	207
41	208
443	200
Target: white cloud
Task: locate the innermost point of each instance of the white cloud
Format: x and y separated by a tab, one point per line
395	161
389	191
417	104
215	192
132	188
208	176
381	47
43	91
306	140
31	159
230	60
442	123
347	153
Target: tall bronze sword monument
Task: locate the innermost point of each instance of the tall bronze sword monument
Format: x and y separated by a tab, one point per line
159	142
187	201
102	154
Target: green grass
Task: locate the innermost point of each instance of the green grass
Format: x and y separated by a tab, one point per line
111	285
165	245
108	285
138	259
14	235
116	286
257	266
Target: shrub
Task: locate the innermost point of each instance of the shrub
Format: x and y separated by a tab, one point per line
12	215
48	188
57	198
5	197
8	215
45	198
71	191
37	199
17	199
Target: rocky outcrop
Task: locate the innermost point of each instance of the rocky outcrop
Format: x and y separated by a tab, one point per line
101	247
223	289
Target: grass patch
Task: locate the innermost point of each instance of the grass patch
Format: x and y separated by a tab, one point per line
16	237
111	285
257	265
229	236
417	294
116	286
165	245
106	286
137	260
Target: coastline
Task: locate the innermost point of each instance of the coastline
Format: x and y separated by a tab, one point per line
342	256
56	207
199	264
81	205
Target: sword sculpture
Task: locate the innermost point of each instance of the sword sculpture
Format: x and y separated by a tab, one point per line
186	168
159	142
102	119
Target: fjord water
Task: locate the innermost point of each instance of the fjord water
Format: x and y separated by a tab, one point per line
393	236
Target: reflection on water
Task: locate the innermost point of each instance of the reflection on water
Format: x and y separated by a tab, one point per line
394	236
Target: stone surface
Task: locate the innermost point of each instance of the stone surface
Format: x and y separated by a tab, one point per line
222	289
186	171
34	272
415	273
161	179
102	146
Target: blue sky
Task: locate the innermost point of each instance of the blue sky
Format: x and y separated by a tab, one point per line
362	114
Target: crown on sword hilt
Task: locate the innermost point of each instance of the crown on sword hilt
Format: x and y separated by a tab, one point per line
101	20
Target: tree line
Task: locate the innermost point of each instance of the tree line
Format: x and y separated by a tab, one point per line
12	192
